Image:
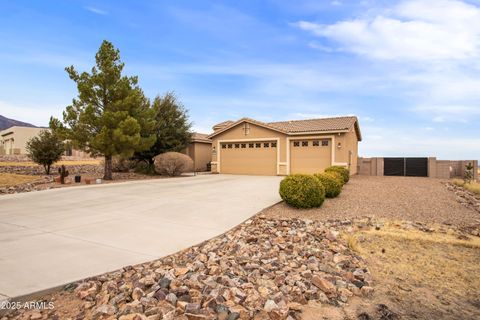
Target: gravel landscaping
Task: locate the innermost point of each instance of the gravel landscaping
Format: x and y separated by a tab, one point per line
396	198
263	269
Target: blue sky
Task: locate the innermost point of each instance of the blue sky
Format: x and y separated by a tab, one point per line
410	70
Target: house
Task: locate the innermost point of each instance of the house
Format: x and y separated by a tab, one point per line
14	139
200	150
249	146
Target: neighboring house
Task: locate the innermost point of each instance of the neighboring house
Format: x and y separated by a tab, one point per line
200	150
248	146
14	139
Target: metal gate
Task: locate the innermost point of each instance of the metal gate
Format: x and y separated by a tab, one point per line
410	167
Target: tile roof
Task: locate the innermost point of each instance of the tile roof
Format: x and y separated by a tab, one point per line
334	124
323	124
200	137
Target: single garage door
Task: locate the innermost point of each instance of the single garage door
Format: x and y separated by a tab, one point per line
310	156
411	167
257	158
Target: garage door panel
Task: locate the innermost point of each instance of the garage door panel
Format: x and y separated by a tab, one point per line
256	161
309	157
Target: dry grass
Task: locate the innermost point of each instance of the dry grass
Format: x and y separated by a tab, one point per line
440	268
472	186
67	163
9	179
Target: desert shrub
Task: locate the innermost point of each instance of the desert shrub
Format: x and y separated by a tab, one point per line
344	172
45	149
120	164
337	175
302	191
331	183
173	163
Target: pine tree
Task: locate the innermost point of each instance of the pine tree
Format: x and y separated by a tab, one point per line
111	115
172	128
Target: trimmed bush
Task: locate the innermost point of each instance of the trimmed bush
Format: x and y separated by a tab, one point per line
331	183
173	163
337	175
302	191
344	172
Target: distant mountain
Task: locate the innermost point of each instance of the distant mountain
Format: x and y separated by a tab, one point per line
6	123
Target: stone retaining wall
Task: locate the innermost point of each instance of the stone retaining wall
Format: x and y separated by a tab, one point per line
38	170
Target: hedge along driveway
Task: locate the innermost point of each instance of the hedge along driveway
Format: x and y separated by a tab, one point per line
54	237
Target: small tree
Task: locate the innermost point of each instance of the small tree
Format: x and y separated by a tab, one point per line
111	115
45	149
468	174
172	128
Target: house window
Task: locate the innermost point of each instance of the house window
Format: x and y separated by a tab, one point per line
296	143
224	146
324	143
274	144
304	143
229	146
316	143
250	145
237	145
244	145
266	145
258	145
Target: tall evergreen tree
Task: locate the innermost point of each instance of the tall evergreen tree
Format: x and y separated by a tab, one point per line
172	128
111	115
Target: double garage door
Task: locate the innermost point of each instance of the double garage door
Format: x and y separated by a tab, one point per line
260	157
256	157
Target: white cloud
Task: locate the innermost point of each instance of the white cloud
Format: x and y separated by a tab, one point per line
420	30
96	10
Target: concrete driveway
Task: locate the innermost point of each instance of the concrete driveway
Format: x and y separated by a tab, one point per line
54	237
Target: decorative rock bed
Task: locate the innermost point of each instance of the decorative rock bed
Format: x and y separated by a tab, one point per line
263	269
465	197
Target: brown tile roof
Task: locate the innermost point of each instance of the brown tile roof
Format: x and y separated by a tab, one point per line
200	137
313	125
334	124
223	124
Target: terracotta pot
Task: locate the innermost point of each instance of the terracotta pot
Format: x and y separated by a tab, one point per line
57	179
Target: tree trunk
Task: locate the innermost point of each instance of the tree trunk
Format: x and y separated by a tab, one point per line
47	168
107	175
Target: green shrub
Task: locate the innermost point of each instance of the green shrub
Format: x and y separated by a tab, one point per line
332	184
337	175
302	191
344	172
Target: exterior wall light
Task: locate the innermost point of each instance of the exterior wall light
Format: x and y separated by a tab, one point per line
339	145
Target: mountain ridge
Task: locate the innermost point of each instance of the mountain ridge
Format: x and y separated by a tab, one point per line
6	123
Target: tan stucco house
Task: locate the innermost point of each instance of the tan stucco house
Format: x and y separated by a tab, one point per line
200	150
249	146
14	139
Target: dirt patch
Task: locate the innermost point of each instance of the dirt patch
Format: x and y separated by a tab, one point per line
8	179
396	198
423	275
